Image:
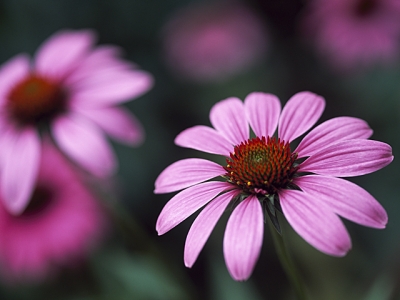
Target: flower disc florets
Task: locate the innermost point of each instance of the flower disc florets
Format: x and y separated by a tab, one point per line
35	99
261	165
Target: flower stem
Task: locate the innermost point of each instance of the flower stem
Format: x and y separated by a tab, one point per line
288	264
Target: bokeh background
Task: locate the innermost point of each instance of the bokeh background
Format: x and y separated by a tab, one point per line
133	262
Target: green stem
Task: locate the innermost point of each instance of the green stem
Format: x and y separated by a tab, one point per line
288	264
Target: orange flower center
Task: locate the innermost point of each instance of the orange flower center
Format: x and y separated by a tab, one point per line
261	165
35	99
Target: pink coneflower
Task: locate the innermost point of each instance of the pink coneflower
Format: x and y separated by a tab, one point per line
353	33
263	174
61	224
208	42
70	88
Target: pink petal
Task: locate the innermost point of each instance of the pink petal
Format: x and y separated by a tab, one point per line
100	59
331	131
11	73
345	198
185	203
300	113
315	222
229	119
349	158
85	144
112	87
62	52
243	238
262	112
203	225
119	123
204	139
20	164
185	173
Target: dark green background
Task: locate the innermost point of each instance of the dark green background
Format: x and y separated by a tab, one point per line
133	262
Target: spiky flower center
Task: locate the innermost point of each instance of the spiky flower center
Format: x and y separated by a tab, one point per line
365	8
261	165
35	99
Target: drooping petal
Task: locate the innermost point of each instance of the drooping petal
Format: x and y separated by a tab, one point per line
11	73
262	112
345	198
243	238
62	52
229	119
185	203
315	222
112	87
204	138
117	122
84	143
331	131
300	113
20	165
203	226
185	173
349	158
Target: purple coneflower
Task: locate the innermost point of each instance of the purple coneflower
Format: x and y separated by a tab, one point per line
209	42
71	88
61	225
354	33
263	175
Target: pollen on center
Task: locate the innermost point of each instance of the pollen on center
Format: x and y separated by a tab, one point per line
261	165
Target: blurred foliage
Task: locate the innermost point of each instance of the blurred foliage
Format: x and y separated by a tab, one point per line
129	266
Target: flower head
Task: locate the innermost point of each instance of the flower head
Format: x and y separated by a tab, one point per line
263	175
209	42
61	224
71	88
354	33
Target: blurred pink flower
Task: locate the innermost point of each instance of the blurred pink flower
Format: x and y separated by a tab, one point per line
263	175
71	88
354	33
62	223
208	42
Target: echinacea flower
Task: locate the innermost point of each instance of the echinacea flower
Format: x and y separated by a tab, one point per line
71	88
354	33
61	225
214	41
263	174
